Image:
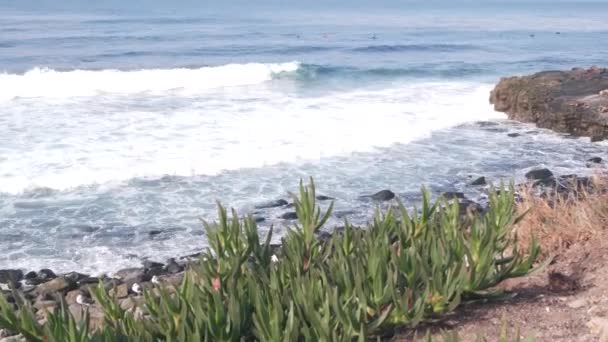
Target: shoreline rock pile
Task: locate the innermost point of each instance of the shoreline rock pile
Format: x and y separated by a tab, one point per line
574	102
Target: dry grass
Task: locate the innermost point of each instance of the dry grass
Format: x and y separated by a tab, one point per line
558	221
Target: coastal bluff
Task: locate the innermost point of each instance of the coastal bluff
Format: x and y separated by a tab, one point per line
574	101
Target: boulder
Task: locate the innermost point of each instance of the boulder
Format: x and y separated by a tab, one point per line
382	195
10	276
539	174
479	181
132	275
57	285
564	101
46	274
292	215
120	291
323	198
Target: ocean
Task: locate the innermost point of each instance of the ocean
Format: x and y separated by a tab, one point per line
122	124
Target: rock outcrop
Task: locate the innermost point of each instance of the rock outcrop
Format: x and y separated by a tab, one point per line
574	101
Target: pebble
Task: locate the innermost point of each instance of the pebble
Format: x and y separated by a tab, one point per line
578	303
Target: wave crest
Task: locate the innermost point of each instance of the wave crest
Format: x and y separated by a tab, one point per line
44	82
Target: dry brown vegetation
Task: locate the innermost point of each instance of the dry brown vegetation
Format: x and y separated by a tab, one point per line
559	220
568	299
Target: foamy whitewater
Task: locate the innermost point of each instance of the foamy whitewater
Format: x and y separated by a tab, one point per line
119	132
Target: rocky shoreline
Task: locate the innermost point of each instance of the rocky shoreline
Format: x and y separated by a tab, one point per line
45	289
574	102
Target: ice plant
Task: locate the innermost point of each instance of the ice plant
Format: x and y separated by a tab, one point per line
402	268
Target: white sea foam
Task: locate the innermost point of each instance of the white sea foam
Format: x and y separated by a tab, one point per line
64	143
42	82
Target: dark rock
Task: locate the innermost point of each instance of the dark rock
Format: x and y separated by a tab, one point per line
88	281
152	264
9	276
46	274
382	195
57	285
173	267
324	198
290	205
594	162
271	204
539	174
597	138
75	276
258	219
34	281
155	232
30	275
133	275
564	101
452	195
292	215
514	135
479	181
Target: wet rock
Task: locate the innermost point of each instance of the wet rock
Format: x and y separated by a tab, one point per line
30	275
271	204
88	281
152	233
133	274
173	267
292	215
479	181
564	101
46	274
513	135
60	284
594	162
75	276
258	219
382	195
539	174
343	213
324	198
152	265
452	195
10	276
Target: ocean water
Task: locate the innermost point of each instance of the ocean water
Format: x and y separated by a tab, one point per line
122	124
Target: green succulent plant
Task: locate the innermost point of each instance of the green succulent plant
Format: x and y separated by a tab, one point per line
403	268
